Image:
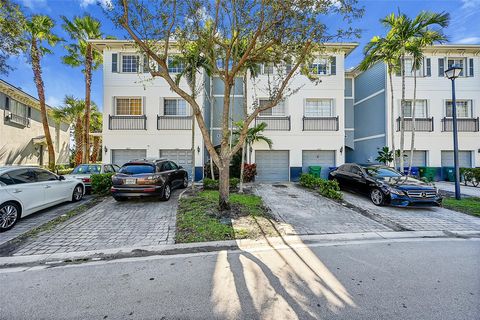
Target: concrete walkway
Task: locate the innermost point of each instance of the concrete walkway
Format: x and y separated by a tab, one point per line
464	190
309	213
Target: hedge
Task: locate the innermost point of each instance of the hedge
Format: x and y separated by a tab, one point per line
470	175
101	183
326	188
210	184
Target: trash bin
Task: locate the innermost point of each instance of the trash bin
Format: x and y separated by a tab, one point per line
413	172
315	171
428	173
449	173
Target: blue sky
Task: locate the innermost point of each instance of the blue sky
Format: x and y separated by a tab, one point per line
61	80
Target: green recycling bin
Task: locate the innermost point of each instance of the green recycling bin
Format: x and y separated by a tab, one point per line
449	173
315	171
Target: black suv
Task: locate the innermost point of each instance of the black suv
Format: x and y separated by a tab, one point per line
140	178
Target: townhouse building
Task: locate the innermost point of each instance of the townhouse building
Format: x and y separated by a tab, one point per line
371	109
144	118
22	139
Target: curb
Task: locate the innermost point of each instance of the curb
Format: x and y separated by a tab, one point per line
244	244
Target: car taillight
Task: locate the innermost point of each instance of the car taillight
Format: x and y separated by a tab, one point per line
86	179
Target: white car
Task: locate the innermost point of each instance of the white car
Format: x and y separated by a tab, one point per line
25	190
84	172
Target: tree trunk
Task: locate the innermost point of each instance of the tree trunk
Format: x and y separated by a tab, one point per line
392	116
88	84
193	152
224	186
245	113
37	76
402	117
78	141
412	142
95	149
242	168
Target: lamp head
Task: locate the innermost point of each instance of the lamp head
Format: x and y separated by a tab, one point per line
453	72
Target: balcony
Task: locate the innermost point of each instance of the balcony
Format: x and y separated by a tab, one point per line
17	119
421	124
320	123
463	124
275	123
174	123
127	122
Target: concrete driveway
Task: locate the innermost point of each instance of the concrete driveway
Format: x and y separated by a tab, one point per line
416	219
309	213
110	224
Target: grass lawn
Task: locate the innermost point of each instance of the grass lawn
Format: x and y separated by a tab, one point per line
198	218
466	205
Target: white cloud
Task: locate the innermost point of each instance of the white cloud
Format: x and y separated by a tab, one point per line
33	4
103	3
470	4
469	40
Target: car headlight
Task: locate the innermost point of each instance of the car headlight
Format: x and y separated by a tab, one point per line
396	191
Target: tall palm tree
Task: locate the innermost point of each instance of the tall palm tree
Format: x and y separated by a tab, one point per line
73	113
381	50
81	53
402	32
96	123
38	33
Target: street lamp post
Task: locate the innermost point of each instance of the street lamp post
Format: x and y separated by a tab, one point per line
452	73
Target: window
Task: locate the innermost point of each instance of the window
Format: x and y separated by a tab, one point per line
409	68
464	108
22	176
166	166
267	68
420	109
319	108
355	170
174	65
459	62
86	169
18	108
175	107
130	63
137	169
173	165
278	110
320	66
44	175
5	180
108	169
128	107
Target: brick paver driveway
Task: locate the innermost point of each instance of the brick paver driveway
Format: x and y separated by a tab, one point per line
417	219
309	213
110	224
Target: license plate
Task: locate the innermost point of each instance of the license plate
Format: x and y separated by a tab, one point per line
130	181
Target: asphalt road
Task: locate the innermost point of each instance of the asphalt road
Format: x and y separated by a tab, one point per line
409	279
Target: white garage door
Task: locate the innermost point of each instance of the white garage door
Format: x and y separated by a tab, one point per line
272	166
419	158
323	158
182	157
464	159
122	156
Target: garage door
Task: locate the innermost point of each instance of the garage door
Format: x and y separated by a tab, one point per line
272	166
323	158
419	158
122	156
464	159
182	157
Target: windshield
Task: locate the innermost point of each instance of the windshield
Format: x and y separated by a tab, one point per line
379	172
137	169
86	169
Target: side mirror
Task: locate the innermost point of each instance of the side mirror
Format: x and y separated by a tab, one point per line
61	178
180	167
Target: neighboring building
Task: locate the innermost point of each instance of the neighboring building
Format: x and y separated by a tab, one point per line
22	139
144	118
433	138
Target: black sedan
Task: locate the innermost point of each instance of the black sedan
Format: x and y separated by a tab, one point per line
142	178
385	185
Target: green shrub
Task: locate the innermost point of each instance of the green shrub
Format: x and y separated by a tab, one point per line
209	184
101	183
470	175
326	188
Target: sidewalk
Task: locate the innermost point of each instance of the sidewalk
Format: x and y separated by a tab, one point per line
464	190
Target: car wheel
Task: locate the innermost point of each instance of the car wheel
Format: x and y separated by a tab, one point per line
77	194
119	198
167	191
185	182
377	197
9	215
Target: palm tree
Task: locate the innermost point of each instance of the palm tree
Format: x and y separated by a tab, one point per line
381	50
254	134
402	32
81	53
38	31
192	62
96	123
73	113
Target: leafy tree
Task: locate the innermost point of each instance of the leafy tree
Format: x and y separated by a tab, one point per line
273	31
385	156
12	24
38	34
81	53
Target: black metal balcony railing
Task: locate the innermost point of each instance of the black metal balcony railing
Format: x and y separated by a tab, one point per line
275	123
174	122
320	123
17	119
421	124
127	122
463	124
